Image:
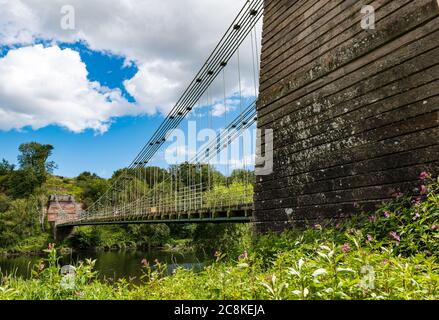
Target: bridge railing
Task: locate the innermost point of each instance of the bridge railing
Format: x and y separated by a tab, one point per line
187	201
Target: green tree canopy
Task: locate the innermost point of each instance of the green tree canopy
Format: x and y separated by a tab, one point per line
6	167
33	169
34	155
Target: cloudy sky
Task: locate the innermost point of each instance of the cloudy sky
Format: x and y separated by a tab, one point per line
98	91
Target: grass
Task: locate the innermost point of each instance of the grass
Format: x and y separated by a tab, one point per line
391	253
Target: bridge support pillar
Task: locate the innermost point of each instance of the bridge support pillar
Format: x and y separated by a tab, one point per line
353	107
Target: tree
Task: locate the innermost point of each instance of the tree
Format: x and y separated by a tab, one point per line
243	176
6	168
150	175
93	187
22	183
85	176
4	203
188	174
34	156
33	170
20	221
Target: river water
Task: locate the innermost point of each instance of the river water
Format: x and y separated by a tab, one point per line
110	265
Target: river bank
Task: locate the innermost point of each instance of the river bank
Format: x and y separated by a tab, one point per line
35	245
320	263
110	265
391	253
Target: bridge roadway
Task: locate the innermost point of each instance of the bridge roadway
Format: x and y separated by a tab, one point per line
241	213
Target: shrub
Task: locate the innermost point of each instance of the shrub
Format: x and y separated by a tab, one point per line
392	255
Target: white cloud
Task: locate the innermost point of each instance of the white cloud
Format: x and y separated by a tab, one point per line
219	109
167	39
153	88
139	30
42	86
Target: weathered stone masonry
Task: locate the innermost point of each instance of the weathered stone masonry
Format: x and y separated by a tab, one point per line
354	112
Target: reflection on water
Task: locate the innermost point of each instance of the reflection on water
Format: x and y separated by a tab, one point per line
109	265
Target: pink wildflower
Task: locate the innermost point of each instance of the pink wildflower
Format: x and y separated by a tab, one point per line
243	256
424	175
424	189
144	262
345	248
397	194
369	238
386	214
395	236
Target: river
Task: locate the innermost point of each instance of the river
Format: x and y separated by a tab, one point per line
110	265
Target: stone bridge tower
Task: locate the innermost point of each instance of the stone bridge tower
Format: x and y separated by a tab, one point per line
62	207
351	90
59	204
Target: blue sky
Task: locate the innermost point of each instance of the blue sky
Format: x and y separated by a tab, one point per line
111	107
88	151
101	153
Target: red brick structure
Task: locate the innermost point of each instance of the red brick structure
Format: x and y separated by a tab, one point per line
61	203
354	110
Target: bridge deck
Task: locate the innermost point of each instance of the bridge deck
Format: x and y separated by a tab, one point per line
237	214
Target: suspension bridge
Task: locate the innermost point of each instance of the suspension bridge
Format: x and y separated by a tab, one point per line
350	93
190	192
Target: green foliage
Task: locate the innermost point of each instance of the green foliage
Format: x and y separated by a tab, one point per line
316	270
92	189
240	175
5	202
33	171
21	195
59	185
182	231
34	155
411	223
19	221
205	174
390	254
128	236
34	165
147	174
6	167
22	183
85	238
48	281
354	260
228	238
235	192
